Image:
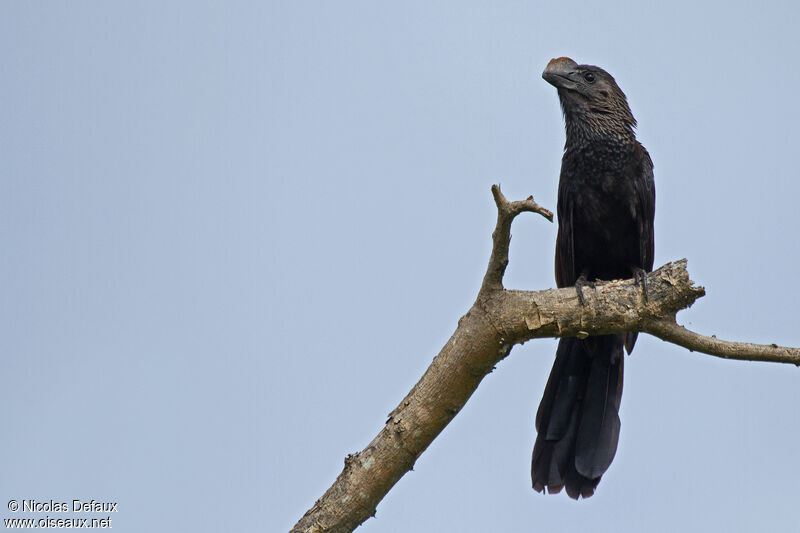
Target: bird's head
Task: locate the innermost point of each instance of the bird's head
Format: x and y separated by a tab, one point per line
590	98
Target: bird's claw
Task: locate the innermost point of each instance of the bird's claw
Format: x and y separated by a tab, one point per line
580	283
640	278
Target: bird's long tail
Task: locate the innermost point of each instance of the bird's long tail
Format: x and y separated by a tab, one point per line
578	417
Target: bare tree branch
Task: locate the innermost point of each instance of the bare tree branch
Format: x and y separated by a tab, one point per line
498	320
501	237
670	331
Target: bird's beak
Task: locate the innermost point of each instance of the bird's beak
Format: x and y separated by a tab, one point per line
557	73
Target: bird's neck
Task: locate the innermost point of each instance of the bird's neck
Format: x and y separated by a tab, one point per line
606	130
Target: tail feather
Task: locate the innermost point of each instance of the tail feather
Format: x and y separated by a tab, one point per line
599	429
578	421
630	340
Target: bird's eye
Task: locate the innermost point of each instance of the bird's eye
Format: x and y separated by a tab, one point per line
589	77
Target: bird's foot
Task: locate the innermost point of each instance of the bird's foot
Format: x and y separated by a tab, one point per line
580	283
640	278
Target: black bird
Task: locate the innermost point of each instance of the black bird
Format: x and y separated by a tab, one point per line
606	205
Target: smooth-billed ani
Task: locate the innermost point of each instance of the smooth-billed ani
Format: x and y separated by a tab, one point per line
606	204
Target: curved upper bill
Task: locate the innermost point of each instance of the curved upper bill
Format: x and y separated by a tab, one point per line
558	72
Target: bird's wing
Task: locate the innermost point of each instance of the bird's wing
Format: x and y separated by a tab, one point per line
565	244
646	197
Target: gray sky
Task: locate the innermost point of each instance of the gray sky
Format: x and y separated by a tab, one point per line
235	234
